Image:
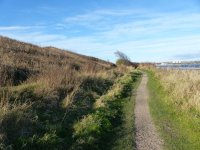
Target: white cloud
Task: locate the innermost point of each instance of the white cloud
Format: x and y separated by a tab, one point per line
13	28
142	35
100	15
19	28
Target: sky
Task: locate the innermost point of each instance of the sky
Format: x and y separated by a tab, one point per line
145	30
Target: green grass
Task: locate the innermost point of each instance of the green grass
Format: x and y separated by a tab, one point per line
125	137
99	117
46	124
180	130
111	125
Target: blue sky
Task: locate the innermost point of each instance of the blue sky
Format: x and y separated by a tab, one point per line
146	30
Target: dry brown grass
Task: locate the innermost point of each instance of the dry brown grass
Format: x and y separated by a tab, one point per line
23	59
183	86
25	55
13	117
48	88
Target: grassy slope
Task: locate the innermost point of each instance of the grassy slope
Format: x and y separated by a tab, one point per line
55	88
180	130
19	61
21	54
53	108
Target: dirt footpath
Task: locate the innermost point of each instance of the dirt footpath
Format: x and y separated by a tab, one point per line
147	137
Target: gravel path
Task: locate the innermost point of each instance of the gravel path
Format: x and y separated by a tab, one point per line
146	136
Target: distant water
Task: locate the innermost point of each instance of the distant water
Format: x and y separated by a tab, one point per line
180	66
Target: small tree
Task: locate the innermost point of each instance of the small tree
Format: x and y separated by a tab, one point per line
123	59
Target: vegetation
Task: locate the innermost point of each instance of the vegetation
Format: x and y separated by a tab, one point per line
172	93
184	86
123	59
19	61
55	99
100	128
125	133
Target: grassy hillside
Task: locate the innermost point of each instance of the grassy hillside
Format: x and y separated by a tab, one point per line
47	93
19	60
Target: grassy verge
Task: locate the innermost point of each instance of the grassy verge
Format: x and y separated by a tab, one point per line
179	129
111	124
125	135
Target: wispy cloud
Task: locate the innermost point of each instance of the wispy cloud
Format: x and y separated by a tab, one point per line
154	25
101	19
19	28
13	28
141	34
100	15
136	18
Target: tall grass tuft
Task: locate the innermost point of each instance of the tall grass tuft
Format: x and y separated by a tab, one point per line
183	86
